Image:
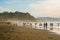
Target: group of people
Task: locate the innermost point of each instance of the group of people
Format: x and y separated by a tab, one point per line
44	24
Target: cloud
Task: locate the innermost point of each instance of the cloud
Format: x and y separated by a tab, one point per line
49	8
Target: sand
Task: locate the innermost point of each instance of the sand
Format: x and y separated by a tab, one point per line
9	32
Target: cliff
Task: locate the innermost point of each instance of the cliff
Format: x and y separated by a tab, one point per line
16	16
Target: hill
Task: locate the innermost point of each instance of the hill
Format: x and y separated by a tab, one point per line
8	32
48	19
16	16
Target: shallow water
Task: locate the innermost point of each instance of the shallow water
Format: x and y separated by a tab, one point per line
56	27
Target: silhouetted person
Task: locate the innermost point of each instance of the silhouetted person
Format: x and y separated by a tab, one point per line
35	25
45	26
51	26
40	24
30	24
24	24
58	24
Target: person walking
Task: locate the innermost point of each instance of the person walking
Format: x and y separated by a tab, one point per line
35	25
51	26
45	26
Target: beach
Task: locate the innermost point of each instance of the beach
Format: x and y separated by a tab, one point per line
11	32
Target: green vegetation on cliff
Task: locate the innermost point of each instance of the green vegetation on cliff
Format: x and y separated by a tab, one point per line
16	16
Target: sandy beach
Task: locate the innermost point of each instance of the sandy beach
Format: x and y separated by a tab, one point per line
9	32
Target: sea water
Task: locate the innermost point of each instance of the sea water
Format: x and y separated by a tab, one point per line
56	27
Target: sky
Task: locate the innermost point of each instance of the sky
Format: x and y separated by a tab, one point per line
37	8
